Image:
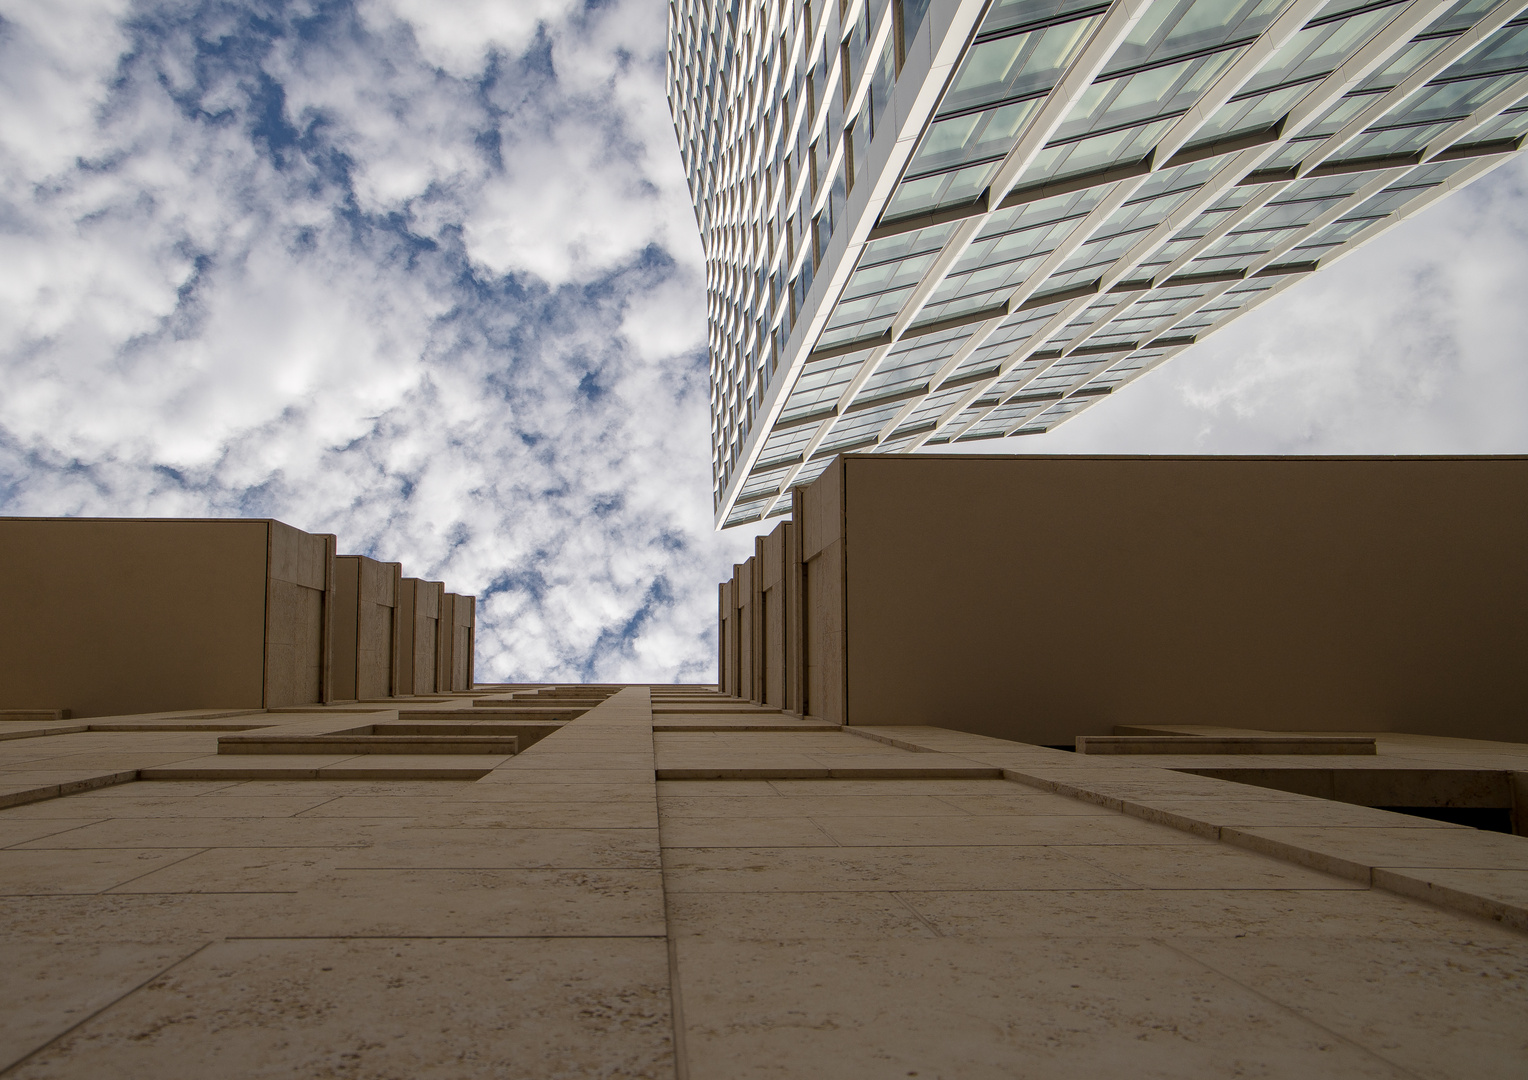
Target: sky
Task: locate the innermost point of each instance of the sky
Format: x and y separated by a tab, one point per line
426	276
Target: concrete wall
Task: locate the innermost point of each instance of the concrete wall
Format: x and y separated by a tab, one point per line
1041	598
759	641
455	642
111	616
419	622
363	628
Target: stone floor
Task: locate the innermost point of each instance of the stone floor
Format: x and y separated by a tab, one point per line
676	885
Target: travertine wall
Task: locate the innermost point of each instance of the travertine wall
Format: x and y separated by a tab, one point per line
1041	598
420	622
115	616
454	645
364	631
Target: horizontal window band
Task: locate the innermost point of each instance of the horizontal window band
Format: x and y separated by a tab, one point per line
846	448
1046	354
1032	431
979	436
928	218
1025	399
1169	61
778	463
784	423
1100	350
1343	16
957	167
1227	144
1364	164
862	404
985	403
1264	91
1137	285
1479	149
968	380
1072	292
999	103
916	429
1041	24
748	500
847	347
1472	76
1077	182
1210	277
1269	176
1285	269
1091	391
980	315
1170	342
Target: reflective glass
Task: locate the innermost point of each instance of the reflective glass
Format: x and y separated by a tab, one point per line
1016	65
1131	99
971	136
942	189
1097	151
1175	27
1320	48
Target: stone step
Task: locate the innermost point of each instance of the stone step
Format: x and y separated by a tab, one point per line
262	743
1225	744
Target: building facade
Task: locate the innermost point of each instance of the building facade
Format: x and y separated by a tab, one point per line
942	221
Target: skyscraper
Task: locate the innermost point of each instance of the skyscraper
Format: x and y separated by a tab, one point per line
941	222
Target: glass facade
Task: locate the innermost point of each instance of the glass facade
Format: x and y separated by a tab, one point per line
937	221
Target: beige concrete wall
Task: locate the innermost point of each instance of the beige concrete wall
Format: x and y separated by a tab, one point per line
344	620
297	662
822	601
747	632
1040	598
363	628
377	617
454	643
772	551
419	620
111	616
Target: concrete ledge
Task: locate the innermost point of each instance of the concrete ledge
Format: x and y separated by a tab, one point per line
325	767
1501	896
34	714
1225	744
746	725
368	744
890	772
1481	874
21	794
29	730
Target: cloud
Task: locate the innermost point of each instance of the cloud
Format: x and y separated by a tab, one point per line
423	279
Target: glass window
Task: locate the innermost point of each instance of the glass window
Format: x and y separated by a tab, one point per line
1395	140
1322	46
1130	99
942	189
970	137
1016	65
1253	112
1173	28
1508	125
1097	151
1006	15
1450	100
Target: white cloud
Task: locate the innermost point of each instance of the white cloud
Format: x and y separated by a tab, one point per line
262	278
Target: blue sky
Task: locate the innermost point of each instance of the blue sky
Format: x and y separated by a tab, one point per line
426	276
